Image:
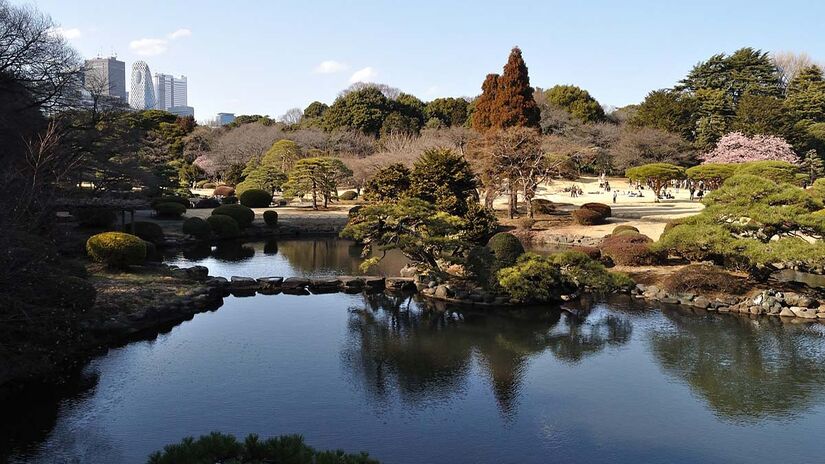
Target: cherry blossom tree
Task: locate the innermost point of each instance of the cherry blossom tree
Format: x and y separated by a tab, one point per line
737	147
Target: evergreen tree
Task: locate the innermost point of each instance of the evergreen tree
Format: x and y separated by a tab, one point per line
806	95
813	166
576	101
514	104
482	110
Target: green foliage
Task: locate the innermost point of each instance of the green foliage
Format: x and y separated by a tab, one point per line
169	210
449	112
197	228
584	271
445	179
576	101
761	115
94	217
422	233
315	110
777	171
506	248
349	195
388	183
542	206
217	447
116	249
817	189
317	177
699	242
282	155
271	218
363	110
233	200
224	226
712	174
240	213
534	279
600	208
669	111
806	95
631	250
149	231
480	223
255	198
624	227
655	174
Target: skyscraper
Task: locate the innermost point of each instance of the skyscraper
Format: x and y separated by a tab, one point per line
171	91
105	76
142	92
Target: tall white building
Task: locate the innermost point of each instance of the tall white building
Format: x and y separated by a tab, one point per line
106	76
170	90
142	91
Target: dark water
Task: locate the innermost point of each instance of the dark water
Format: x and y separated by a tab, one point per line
617	383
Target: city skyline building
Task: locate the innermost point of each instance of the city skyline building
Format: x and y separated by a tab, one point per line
142	91
170	91
106	76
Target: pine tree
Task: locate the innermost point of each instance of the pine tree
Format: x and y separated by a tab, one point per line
806	95
813	165
484	104
514	105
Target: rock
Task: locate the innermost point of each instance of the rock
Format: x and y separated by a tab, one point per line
242	283
669	300
198	272
408	271
805	313
806	302
375	283
774	311
759	299
217	282
270	284
401	284
820	315
325	285
443	292
786	312
292	283
700	302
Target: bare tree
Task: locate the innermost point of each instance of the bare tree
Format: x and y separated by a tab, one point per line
292	116
789	64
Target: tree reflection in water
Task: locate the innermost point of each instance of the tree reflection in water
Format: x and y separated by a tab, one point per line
398	346
746	369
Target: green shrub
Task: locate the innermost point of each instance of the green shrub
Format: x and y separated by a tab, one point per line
817	189
673	223
149	231
584	271
600	208
588	217
777	171
205	203
506	248
349	195
197	228
535	279
169	210
223	191
480	223
229	200
542	206
698	242
116	249
240	213
622	227
172	199
271	218
223	226
256	198
95	217
631	250
200	184
218	447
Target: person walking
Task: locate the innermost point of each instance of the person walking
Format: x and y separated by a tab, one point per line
615	194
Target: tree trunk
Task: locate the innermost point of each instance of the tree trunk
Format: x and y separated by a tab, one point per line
314	196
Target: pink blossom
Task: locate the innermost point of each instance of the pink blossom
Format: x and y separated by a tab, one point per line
737	147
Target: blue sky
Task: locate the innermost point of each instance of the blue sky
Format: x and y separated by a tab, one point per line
265	57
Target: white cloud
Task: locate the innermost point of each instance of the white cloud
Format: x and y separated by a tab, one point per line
180	33
330	67
66	33
363	75
148	47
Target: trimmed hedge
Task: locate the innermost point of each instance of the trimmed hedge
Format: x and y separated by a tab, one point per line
601	208
349	195
542	206
506	248
271	218
116	249
169	210
256	198
631	250
172	199
223	191
588	217
241	214
149	231
229	200
94	217
197	228
624	227
223	226
207	203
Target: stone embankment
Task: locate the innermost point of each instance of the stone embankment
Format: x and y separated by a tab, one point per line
766	302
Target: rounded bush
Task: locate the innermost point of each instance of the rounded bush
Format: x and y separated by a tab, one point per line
587	217
169	210
229	200
200	184
205	203
116	249
197	228
95	217
172	199
271	218
223	191
223	226
631	250
506	248
542	206
240	213
256	198
149	231
591	252
601	208
209	185
526	223
349	195
626	232
624	227
671	224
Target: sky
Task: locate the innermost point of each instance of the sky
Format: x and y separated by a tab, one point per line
265	57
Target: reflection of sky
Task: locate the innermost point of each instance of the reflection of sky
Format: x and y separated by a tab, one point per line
289	364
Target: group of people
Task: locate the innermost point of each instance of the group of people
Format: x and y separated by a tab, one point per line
575	191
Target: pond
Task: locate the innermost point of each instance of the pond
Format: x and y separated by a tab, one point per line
611	381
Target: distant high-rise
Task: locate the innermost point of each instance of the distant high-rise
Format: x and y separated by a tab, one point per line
142	92
105	76
171	91
225	118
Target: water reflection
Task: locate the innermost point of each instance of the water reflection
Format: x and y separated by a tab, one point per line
426	356
746	369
